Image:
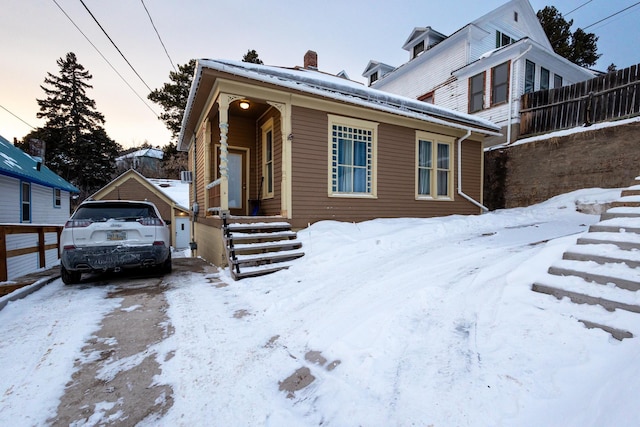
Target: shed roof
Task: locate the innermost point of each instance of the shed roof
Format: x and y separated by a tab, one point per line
17	164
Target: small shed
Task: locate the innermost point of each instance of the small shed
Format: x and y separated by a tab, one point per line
170	196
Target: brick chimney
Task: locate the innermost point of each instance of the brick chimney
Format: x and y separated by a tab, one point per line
311	60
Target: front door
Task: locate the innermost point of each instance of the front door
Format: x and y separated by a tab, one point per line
236	162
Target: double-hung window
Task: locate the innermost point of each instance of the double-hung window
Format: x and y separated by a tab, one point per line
57	198
26	202
352	157
557	81
267	158
499	83
476	92
434	167
544	78
529	76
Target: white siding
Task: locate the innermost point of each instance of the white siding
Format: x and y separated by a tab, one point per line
43	210
42	203
423	76
20	265
10	200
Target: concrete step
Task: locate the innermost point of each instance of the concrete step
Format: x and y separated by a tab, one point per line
589	276
617	333
600	227
627	241
620	212
586	295
631	191
600	259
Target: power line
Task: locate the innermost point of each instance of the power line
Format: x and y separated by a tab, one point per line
583	4
106	60
5	109
158	34
116	46
612	15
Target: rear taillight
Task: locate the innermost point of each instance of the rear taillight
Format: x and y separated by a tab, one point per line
69	247
158	243
151	221
76	223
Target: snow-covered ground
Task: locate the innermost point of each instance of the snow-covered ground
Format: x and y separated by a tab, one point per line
399	322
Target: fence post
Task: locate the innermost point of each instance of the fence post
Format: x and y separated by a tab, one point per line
588	110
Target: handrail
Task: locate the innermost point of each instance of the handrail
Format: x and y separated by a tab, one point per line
213	184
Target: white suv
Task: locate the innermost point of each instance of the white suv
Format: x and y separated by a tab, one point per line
108	235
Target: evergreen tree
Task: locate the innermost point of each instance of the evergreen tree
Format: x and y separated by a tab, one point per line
173	161
173	96
252	57
78	147
578	47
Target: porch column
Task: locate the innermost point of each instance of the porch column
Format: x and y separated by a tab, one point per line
285	127
223	118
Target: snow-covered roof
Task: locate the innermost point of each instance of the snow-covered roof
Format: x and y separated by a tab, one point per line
145	152
175	189
338	89
17	164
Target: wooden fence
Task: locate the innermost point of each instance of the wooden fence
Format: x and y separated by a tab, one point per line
612	96
40	249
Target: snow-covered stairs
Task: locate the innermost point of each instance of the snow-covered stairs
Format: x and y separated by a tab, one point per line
602	269
255	249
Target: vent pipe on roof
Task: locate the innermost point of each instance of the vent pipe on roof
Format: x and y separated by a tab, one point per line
311	60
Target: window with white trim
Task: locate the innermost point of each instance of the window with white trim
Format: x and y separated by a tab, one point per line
57	198
267	158
544	78
503	40
529	76
352	151
25	199
557	81
434	166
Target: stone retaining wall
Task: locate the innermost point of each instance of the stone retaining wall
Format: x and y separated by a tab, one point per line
525	174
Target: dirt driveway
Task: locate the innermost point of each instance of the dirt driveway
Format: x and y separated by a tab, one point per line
114	382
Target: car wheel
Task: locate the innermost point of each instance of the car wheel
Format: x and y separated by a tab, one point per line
69	277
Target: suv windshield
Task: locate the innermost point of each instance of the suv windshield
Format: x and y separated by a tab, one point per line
123	211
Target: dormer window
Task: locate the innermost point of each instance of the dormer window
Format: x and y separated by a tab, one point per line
515	16
373	77
418	49
503	40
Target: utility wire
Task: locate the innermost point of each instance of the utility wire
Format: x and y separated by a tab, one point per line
106	60
158	34
116	46
612	15
583	4
5	109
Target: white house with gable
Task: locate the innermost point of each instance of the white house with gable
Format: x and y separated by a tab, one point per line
481	69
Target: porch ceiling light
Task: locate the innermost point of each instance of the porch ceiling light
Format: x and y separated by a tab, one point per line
244	104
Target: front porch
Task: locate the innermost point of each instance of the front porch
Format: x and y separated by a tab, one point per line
242	184
247	168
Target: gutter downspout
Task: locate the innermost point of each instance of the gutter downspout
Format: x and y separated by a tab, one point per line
513	63
460	192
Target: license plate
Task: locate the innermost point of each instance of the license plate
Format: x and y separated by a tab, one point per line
116	235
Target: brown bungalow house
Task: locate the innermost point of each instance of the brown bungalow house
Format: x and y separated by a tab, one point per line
131	185
297	145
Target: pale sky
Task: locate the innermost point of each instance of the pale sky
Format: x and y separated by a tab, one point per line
346	34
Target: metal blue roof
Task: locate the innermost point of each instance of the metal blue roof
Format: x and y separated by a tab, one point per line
17	164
